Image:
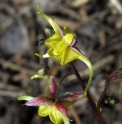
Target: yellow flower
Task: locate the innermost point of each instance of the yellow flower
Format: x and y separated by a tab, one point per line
61	47
51	105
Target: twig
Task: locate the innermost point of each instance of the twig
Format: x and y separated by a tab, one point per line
75	115
6	86
10	93
8	64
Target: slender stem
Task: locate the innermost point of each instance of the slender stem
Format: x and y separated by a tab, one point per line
60	84
97	113
108	81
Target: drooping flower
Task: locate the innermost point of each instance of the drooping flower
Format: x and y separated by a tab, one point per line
61	47
51	105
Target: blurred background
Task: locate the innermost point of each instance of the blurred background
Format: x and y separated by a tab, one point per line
98	28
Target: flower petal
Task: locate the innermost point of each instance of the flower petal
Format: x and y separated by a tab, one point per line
36	101
57	116
70	98
64	43
56	49
62	109
44	110
53	54
52	88
53	40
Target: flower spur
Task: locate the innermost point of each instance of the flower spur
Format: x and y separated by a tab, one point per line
52	106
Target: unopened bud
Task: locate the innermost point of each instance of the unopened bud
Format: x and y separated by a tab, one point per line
49	31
